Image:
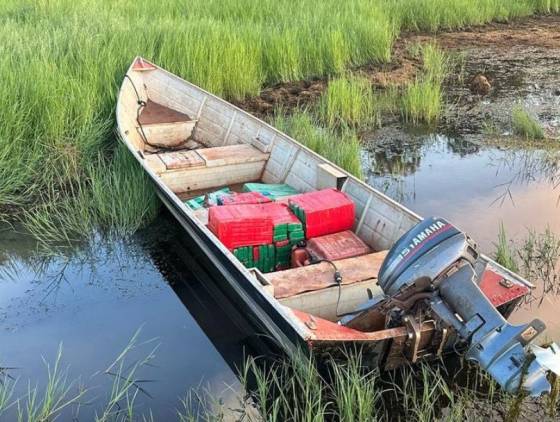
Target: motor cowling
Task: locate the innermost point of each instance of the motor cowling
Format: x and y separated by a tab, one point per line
430	271
428	250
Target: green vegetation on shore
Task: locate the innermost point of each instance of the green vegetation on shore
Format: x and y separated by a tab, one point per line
348	100
422	100
63	60
525	125
341	146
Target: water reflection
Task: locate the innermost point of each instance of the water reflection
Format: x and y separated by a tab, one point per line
93	300
469	182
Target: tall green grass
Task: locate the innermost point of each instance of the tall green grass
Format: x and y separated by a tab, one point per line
114	194
433	15
422	100
61	62
341	146
525	125
505	252
348	100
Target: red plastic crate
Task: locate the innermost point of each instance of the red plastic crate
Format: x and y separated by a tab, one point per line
241	225
326	211
248	224
280	213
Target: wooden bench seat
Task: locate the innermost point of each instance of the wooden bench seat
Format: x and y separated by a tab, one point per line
185	171
164	127
154	113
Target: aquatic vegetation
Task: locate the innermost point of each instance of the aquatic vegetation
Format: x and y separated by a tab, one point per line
421	102
53	400
526	125
343	389
505	252
536	256
348	100
539	254
62	396
422	99
126	386
490	128
341	146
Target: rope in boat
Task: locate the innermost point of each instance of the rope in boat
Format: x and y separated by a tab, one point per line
141	104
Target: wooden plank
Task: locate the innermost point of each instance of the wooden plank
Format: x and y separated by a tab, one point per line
181	159
329	177
320	276
196	178
231	154
155	163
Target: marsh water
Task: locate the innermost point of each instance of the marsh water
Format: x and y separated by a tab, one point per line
91	302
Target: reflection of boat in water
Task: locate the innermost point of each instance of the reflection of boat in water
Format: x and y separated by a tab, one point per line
222	322
431	293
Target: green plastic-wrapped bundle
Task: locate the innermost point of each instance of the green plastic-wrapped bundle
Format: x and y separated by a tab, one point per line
262	257
212	198
272	191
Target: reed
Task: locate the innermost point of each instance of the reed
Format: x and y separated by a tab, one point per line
344	389
422	100
433	15
525	125
126	387
54	399
348	100
341	146
505	251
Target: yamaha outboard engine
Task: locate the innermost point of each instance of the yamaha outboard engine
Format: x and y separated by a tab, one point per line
430	274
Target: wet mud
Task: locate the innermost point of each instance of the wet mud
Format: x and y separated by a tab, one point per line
520	60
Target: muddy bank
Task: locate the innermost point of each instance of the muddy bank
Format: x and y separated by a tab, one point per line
520	58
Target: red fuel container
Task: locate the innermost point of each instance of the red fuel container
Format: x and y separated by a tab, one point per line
335	246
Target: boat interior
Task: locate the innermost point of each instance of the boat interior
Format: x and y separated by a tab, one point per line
196	143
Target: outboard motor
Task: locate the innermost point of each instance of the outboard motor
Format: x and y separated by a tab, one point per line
430	273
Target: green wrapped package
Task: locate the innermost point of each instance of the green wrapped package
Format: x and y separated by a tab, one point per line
198	202
272	191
